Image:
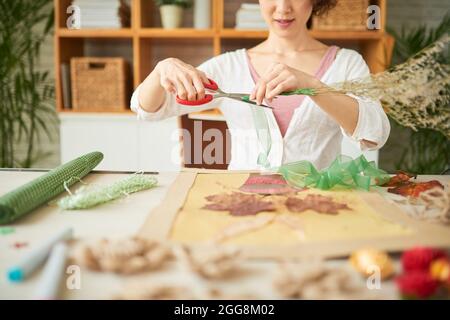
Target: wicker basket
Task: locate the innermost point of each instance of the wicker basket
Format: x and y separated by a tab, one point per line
350	15
99	84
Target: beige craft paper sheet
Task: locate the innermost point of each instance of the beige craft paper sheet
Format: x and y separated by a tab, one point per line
196	225
373	222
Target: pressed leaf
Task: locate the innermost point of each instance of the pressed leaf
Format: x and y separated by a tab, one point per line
239	204
315	202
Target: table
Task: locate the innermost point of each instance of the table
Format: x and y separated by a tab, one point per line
115	220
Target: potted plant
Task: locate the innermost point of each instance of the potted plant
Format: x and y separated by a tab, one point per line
172	12
27	108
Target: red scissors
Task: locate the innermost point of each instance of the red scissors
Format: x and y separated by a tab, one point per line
213	87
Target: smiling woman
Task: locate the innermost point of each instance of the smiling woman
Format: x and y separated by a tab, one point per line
315	7
295	127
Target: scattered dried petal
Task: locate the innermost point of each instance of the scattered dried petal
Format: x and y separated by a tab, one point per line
126	256
215	263
318	282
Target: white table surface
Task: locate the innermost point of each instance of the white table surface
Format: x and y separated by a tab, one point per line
115	220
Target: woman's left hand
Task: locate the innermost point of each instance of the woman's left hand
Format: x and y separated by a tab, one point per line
279	78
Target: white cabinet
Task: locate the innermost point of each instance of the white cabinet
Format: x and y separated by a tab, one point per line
127	144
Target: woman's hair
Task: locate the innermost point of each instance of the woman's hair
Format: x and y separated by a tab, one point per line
321	7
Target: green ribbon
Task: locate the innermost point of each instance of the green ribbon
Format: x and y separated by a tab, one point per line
262	125
263	134
344	171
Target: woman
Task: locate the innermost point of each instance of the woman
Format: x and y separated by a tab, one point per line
301	128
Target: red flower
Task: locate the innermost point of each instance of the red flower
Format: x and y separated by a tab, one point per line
419	259
417	284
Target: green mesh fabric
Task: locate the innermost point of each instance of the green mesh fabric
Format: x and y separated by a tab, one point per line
93	195
22	200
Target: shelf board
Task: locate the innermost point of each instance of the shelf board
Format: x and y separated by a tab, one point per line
346	35
176	33
241	33
318	34
94	33
208	33
71	111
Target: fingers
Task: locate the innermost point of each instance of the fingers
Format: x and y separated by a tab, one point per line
191	93
198	81
273	88
168	86
278	79
183	79
253	93
261	88
260	92
203	77
180	90
284	82
280	88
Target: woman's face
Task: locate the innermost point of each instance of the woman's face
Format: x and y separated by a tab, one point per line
286	17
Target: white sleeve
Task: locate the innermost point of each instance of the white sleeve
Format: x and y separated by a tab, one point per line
170	107
373	123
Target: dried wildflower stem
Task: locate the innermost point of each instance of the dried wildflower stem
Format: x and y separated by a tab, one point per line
415	93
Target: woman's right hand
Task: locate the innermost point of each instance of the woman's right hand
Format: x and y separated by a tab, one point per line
182	79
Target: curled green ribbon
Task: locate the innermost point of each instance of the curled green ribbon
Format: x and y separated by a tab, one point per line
344	171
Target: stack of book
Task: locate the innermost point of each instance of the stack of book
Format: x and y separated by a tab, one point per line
99	13
249	17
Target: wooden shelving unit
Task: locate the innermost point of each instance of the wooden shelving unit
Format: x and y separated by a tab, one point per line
149	42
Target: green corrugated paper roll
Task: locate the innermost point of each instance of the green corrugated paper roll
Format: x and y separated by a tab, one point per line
31	195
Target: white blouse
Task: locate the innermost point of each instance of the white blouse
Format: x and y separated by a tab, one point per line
312	134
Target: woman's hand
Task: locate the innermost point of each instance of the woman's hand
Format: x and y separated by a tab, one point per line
178	77
279	78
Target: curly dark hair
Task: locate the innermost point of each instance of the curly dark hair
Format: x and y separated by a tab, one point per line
321	7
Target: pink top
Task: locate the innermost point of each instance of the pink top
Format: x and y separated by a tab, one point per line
284	106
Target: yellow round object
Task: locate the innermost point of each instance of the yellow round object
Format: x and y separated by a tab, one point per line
369	261
440	269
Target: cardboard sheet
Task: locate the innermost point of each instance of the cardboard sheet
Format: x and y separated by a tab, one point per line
194	224
372	221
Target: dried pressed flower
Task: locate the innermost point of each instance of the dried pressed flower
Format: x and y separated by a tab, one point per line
238	204
414	189
316	203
